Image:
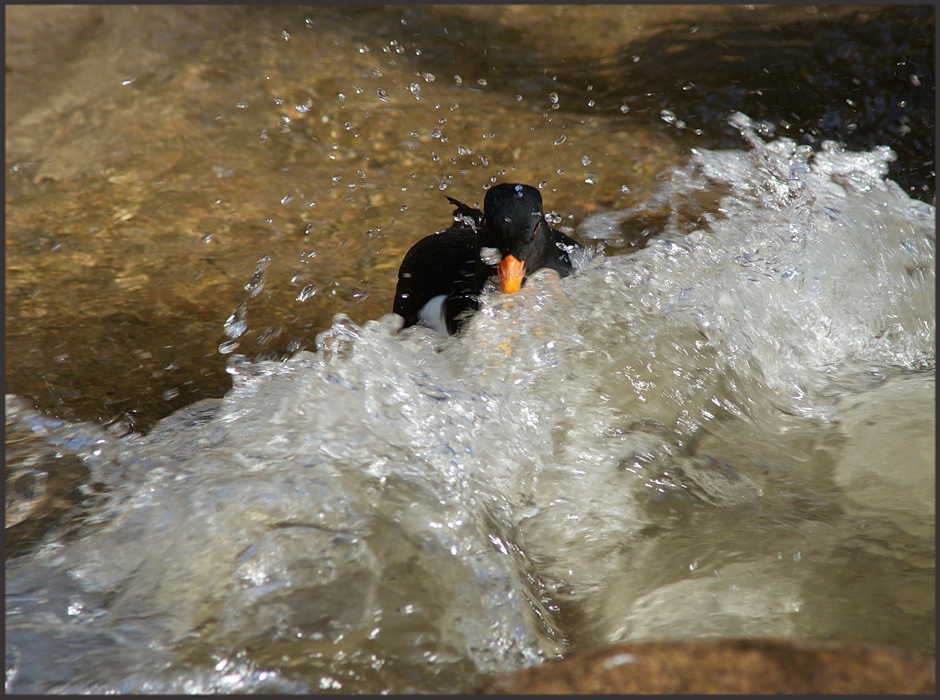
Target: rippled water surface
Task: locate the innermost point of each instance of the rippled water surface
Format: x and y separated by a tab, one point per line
722	425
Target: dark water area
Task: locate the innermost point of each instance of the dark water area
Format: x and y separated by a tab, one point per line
865	79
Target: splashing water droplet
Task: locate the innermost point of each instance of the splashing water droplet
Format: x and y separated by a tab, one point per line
668	116
228	346
258	279
235	325
307	292
490	256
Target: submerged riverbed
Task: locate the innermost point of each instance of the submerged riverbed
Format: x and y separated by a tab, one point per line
721	426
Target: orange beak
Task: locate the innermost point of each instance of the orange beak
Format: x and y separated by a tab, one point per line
511	272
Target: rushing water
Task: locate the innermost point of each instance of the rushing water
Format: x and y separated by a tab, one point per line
727	433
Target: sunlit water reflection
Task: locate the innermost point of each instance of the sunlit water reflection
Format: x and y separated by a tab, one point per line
726	433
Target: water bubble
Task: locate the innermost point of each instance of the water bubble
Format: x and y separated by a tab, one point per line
543	184
458	80
624	189
170	394
464	151
553	98
436	134
590	103
285	35
482	81
585	161
382	95
415	89
286	199
560	140
428	77
375	72
624	108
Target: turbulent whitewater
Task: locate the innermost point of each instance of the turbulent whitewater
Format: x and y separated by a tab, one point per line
727	433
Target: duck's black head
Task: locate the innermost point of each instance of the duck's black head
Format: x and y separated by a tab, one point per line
515	225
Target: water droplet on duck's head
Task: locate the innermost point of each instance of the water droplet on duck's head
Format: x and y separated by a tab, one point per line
490	256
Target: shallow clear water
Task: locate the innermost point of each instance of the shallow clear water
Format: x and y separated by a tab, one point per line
727	433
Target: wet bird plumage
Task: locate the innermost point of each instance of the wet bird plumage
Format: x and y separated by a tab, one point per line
442	275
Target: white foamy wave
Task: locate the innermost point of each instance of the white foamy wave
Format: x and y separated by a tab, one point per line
403	513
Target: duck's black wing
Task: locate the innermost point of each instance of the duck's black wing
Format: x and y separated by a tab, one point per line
440	264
